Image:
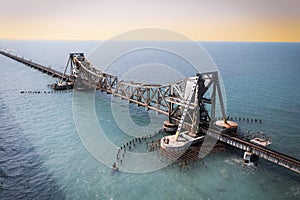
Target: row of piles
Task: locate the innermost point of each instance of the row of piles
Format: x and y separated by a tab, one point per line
128	146
241	119
45	92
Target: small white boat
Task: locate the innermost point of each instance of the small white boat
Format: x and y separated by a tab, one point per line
261	142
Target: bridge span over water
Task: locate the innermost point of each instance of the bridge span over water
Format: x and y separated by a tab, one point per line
190	104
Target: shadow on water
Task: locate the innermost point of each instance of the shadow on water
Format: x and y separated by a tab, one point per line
22	173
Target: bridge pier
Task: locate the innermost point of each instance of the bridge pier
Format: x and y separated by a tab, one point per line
250	159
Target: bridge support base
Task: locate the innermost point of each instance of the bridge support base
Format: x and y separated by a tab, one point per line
170	143
249	159
169	127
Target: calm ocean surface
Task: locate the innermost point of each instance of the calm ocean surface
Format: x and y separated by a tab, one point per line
42	157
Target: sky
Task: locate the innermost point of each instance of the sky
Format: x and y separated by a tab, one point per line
201	20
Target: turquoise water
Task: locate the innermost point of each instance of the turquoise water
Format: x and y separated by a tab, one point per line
42	157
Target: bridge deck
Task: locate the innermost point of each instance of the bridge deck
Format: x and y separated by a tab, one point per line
44	69
262	152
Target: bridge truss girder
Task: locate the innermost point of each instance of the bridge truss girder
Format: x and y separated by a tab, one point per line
169	99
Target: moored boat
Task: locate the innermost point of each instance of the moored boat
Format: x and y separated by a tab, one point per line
62	86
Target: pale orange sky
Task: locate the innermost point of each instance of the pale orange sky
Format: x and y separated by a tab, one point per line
203	20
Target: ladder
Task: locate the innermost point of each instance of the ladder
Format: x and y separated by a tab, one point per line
187	105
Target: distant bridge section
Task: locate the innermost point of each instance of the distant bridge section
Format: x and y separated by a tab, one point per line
44	69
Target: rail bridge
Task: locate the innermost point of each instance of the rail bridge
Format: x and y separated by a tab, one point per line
44	69
190	104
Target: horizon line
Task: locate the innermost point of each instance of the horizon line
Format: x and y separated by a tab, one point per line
246	41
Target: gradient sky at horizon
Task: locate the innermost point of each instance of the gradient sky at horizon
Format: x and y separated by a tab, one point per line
203	20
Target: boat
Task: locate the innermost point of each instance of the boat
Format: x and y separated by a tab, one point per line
62	86
261	139
114	167
261	142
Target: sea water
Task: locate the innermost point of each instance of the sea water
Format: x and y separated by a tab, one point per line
42	156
